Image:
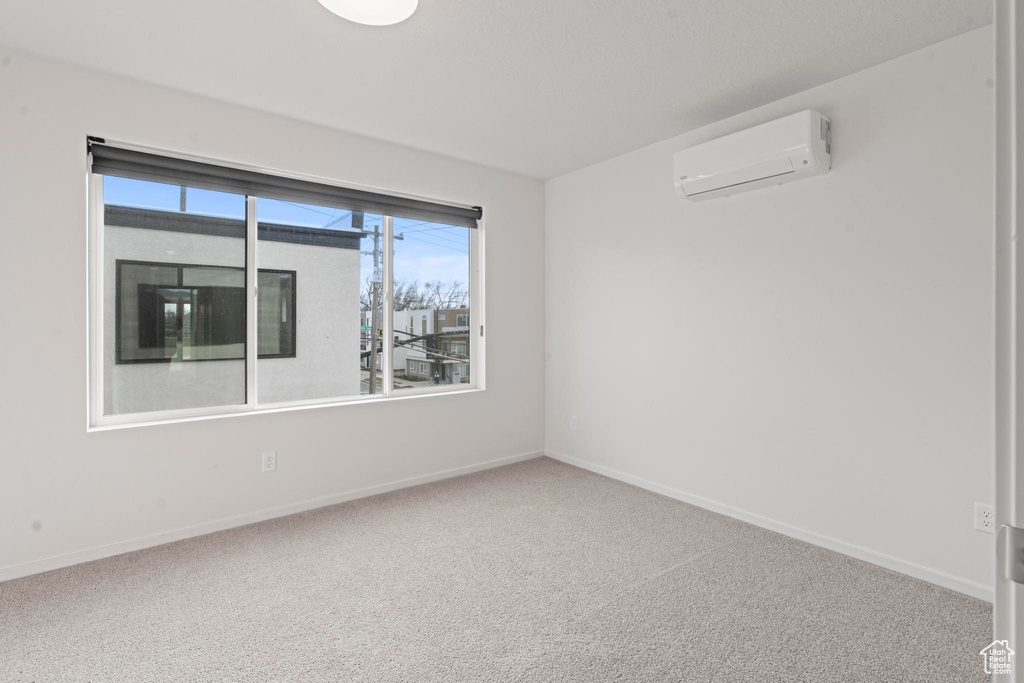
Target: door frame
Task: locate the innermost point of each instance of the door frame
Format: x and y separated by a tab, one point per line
1008	602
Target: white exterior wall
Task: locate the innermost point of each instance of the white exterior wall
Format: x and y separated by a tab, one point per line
402	320
326	362
402	323
832	338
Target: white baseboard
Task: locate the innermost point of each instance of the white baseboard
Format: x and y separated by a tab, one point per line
66	560
917	571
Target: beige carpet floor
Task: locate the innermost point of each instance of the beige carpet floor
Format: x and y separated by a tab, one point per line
534	572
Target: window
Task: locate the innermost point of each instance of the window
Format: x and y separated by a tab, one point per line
176	244
175	312
332	249
179	312
173	271
276	314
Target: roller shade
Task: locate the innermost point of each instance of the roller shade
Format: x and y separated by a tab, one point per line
129	163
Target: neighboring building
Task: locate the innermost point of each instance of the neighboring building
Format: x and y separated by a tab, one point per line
410	360
427	341
173	306
432	342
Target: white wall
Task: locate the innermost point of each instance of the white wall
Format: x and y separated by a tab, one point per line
832	339
68	495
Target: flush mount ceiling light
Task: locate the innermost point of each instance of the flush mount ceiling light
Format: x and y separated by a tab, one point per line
372	12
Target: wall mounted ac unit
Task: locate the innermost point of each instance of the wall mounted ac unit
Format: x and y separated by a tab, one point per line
780	151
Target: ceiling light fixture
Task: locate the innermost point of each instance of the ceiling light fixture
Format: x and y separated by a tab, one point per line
372	12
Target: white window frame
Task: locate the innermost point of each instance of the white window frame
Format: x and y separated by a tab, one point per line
95	324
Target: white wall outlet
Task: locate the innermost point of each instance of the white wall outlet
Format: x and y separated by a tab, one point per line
573	424
985	518
269	459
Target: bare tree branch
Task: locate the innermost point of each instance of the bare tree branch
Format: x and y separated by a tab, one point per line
435	295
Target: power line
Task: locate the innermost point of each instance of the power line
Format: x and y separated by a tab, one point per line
332	214
441	226
435	244
439	237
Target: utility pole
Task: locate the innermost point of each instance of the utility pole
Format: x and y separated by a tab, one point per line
374	305
375	296
181	200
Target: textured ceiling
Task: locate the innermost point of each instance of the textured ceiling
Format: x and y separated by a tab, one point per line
540	87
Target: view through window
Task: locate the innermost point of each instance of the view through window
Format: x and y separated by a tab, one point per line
174	267
329	250
347	302
431	288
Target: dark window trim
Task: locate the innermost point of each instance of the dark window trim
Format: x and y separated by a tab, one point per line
118	360
119	216
295	317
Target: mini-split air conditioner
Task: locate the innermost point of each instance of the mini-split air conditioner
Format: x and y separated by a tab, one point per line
780	151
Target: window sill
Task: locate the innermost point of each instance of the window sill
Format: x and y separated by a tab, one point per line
131	420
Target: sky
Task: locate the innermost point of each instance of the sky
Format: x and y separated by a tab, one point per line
429	251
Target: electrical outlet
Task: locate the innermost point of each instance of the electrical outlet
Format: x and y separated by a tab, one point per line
573	424
984	518
269	459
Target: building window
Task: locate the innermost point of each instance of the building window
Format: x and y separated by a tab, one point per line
276	314
462	319
204	264
188	312
167	312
